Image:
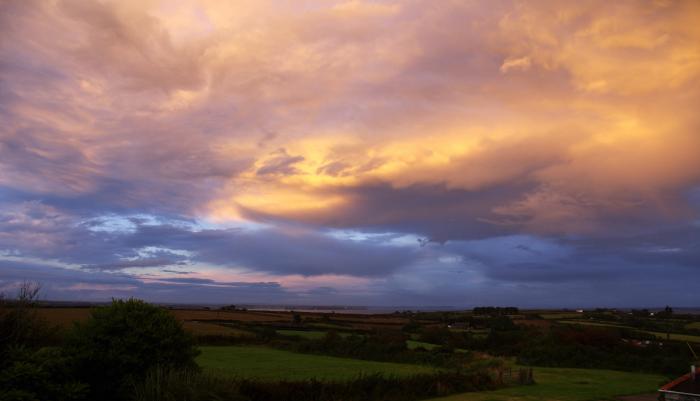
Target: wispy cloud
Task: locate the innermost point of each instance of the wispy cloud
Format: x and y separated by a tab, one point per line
246	133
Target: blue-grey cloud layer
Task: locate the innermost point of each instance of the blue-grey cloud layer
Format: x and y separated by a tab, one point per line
539	154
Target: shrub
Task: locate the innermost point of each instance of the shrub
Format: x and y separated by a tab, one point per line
169	385
27	371
162	384
121	342
41	375
20	326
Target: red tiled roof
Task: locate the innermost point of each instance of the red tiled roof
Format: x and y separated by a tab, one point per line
683	384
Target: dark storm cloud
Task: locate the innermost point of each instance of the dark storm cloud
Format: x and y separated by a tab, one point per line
144	262
290	251
667	253
202	281
434	211
61	283
34	229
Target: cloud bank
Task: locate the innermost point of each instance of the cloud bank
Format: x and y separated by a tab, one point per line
352	151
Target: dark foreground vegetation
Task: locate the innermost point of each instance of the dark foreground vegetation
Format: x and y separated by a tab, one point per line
574	344
164	385
99	359
131	350
455	337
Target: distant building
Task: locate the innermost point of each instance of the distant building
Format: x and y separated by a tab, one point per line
684	388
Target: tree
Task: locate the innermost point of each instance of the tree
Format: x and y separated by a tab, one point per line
120	343
27	371
19	323
666	313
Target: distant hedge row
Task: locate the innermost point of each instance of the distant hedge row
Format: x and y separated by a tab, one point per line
168	385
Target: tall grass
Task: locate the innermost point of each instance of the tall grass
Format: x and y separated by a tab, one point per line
172	385
163	384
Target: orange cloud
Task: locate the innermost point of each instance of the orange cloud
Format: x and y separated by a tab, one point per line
585	103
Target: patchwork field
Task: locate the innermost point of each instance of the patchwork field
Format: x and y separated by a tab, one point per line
557	316
553	384
312	335
658	334
67	315
212	329
63	317
412	344
268	363
558	384
695	326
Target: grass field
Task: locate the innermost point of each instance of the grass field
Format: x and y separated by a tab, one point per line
563	315
694	325
311	335
65	317
558	384
413	344
212	329
659	335
268	363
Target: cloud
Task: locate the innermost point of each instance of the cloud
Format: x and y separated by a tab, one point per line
137	136
125	264
521	63
38	230
279	163
290	251
61	283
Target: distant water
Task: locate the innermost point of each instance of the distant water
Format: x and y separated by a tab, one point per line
692	311
377	310
360	310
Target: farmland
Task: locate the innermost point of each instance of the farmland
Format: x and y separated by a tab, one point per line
657	334
560	384
552	383
576	356
695	326
267	363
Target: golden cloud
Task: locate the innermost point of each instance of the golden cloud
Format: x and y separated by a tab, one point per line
592	104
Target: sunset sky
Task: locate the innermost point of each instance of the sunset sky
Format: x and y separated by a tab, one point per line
464	153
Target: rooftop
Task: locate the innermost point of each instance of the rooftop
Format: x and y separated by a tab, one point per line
684	384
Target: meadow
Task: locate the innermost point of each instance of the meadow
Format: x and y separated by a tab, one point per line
657	334
695	325
254	362
561	384
552	384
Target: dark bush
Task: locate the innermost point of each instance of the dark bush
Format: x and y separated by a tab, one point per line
162	384
602	348
38	375
165	385
121	342
19	323
28	371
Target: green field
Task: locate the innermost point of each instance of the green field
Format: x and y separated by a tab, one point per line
658	334
563	315
412	344
559	384
312	335
694	325
268	363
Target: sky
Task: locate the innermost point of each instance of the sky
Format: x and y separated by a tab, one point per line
421	153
